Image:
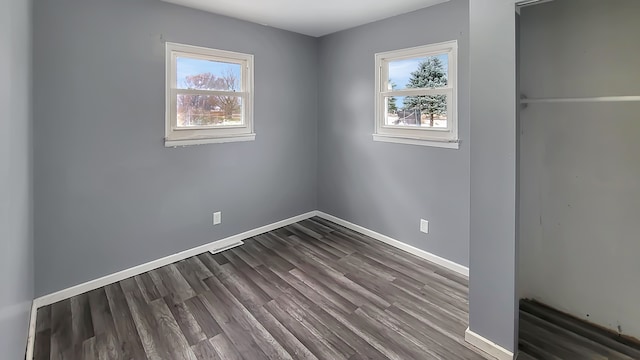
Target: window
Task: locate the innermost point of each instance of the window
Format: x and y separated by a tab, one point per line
416	95
209	96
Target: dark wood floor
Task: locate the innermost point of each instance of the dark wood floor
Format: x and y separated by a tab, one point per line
311	290
549	334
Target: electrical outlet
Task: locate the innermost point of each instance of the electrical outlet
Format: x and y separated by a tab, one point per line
217	218
424	226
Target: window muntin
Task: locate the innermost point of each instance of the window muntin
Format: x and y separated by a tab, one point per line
416	93
209	95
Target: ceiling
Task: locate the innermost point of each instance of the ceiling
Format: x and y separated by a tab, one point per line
314	18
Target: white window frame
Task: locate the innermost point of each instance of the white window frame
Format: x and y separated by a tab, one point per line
175	136
446	138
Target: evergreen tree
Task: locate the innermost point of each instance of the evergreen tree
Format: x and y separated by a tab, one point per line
430	74
392	107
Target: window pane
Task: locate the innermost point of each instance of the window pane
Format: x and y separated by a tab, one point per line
424	111
209	110
420	72
207	75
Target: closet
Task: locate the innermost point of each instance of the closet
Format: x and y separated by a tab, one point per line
579	160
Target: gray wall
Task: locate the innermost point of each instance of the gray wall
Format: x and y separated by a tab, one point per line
108	195
16	239
580	172
383	186
492	256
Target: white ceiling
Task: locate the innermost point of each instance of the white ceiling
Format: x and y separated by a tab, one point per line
314	18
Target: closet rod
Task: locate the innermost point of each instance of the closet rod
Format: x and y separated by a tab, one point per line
525	100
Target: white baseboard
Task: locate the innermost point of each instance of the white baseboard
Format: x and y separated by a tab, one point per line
489	349
460	269
214	247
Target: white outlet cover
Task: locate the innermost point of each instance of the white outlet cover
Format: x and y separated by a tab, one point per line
217	218
424	226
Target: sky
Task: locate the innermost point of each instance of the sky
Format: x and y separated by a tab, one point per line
188	67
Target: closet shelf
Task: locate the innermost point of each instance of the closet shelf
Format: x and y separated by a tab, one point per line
525	100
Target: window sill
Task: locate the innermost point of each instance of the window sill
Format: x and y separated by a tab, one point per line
217	140
417	141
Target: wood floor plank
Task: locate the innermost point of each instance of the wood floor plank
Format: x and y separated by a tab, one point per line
251	273
43	319
421	302
298	228
335	322
156	278
172	336
290	343
89	351
607	338
246	257
42	345
178	288
424	321
347	288
224	348
193	275
338	245
81	323
241	286
444	335
432	345
219	258
316	226
128	337
327	248
205	350
533	327
314	246
355	265
317	286
188	325
203	317
198	268
309	337
311	294
107	347
149	290
145	322
300	311
267	343
241	339
61	329
268	257
238	283
106	342
394	339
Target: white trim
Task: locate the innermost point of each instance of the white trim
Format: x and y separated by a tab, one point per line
460	269
525	3
410	141
217	140
32	330
490	350
581	100
216	246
